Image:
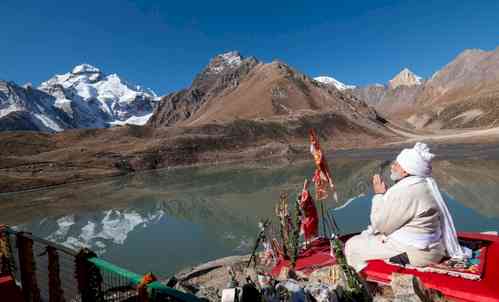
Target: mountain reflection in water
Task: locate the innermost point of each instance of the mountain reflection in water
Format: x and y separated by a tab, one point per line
164	221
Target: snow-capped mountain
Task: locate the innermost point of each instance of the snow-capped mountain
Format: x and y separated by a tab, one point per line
405	78
332	81
111	99
82	98
26	108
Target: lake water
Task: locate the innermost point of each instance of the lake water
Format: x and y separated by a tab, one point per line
164	221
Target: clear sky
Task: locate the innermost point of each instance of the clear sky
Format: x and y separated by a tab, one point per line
163	44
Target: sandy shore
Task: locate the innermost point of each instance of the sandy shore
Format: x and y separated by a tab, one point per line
482	135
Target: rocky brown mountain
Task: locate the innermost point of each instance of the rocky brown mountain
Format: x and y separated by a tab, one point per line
233	88
405	78
463	94
236	109
397	96
223	74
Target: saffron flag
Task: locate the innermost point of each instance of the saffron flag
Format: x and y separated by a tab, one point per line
322	176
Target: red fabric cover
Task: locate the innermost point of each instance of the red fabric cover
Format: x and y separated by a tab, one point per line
456	289
310	221
9	291
316	256
453	288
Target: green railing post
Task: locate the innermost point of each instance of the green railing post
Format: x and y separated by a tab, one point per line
156	290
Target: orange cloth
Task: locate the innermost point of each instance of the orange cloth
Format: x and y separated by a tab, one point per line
142	287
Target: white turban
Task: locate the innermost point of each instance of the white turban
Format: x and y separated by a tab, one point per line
417	160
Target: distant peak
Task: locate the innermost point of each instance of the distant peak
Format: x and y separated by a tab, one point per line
85	69
405	78
406	71
222	61
231	56
28	85
473	50
332	81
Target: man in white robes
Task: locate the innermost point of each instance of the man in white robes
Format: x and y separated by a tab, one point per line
410	217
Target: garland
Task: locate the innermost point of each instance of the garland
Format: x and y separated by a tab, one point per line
356	290
6	256
295	235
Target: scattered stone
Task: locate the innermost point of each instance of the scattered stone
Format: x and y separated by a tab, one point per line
208	293
330	275
408	288
382	299
295	290
322	292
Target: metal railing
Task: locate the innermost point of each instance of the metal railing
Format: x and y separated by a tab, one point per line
47	271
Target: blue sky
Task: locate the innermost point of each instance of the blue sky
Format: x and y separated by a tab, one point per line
163	44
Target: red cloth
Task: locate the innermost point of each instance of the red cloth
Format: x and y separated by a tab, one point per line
317	255
453	288
310	221
9	291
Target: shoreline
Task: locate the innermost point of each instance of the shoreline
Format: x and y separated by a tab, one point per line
444	151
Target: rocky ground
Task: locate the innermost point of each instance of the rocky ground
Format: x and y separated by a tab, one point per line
209	280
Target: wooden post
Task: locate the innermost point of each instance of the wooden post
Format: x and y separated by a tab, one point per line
88	277
56	294
30	289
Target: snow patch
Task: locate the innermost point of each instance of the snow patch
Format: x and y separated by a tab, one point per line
65	105
117	225
134	120
232	58
114	227
86	91
229	59
11	108
88	231
469	115
332	81
64	224
85	68
48	122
